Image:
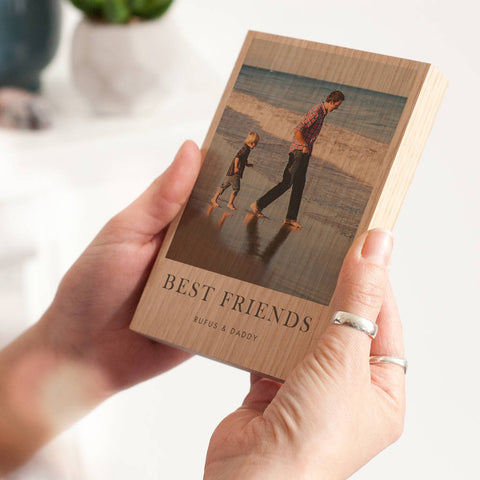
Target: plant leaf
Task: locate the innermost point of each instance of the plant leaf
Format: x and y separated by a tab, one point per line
149	9
93	8
117	11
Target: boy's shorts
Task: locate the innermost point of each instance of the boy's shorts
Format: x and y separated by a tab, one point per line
233	180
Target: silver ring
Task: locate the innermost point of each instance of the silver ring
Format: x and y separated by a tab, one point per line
401	362
355	321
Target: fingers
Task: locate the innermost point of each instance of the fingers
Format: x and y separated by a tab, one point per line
262	392
389	340
361	289
150	213
328	400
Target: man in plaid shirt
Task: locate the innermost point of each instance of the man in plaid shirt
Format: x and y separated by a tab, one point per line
294	175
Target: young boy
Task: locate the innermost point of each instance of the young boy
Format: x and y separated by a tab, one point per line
235	171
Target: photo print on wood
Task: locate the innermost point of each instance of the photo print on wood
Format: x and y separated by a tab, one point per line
311	145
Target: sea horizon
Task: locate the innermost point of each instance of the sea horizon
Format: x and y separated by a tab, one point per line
369	113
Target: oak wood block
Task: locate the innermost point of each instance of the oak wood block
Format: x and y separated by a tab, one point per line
242	285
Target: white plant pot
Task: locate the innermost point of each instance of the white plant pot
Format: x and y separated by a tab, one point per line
119	68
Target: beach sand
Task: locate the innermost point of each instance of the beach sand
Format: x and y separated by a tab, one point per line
306	262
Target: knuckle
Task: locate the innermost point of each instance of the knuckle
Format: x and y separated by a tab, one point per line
364	287
366	295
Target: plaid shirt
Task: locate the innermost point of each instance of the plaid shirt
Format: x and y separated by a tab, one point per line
309	127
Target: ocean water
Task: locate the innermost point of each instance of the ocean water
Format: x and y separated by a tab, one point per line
368	113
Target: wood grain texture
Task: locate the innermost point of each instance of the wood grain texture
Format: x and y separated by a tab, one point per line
222	285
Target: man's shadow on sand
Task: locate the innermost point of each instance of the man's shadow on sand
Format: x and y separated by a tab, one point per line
253	248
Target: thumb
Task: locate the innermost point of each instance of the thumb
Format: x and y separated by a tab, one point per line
338	366
155	208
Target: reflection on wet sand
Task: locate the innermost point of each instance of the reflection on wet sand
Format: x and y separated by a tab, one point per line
210	209
261	251
224	216
251	223
222	219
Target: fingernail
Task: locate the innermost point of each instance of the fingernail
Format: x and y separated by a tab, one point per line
378	246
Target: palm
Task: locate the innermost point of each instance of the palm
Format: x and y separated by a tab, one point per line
97	298
242	433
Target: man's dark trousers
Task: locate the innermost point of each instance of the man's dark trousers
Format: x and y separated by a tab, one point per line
294	176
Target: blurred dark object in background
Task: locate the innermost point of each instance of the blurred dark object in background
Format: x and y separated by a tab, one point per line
29	36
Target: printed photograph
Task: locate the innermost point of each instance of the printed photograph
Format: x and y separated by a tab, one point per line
289	171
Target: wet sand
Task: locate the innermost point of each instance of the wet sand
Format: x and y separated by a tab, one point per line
303	262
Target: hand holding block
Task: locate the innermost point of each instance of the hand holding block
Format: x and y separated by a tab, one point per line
246	273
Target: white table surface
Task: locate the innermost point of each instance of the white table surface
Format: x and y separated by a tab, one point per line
58	187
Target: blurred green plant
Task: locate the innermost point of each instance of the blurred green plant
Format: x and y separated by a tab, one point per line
122	11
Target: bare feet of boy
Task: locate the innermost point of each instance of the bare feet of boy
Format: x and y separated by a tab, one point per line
255	210
214	202
231	206
292	224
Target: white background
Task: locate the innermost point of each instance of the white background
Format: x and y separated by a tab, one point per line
58	188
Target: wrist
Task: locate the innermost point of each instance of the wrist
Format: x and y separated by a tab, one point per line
266	467
71	351
251	467
42	392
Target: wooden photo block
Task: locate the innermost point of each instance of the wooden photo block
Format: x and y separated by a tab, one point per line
311	145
